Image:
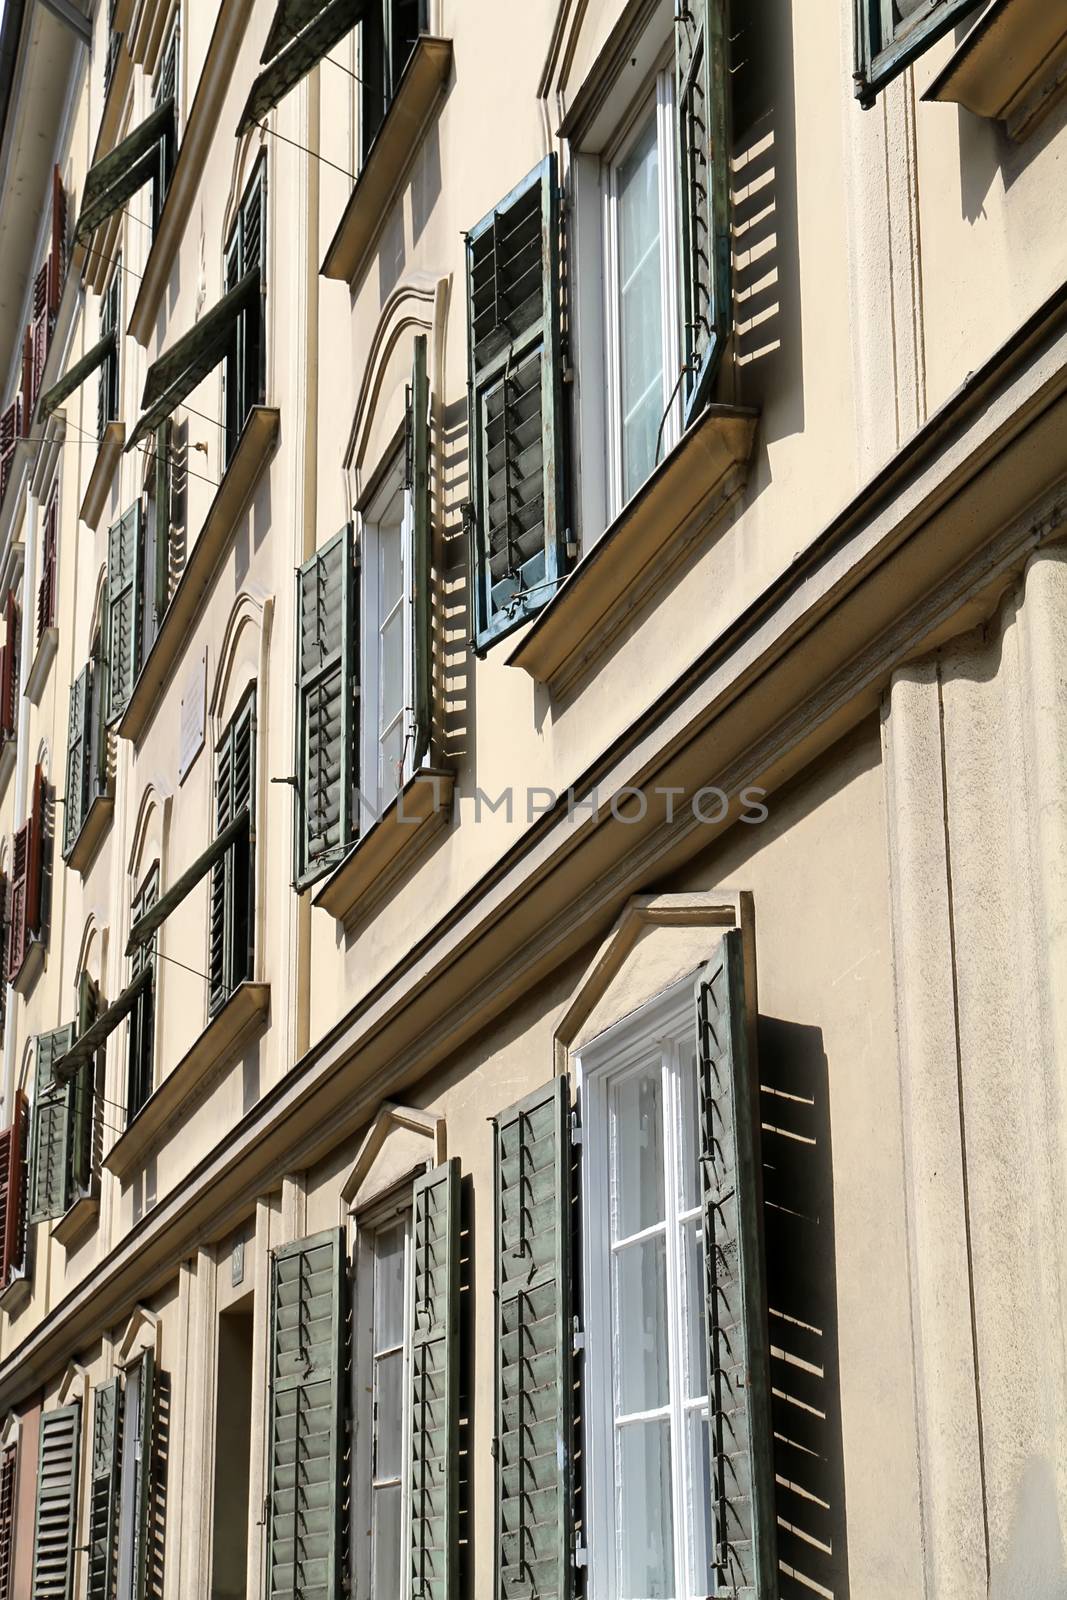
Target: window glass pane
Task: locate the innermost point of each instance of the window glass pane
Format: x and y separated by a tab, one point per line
645	1512
640	306
637	1127
389	1287
701	1522
392	680
696	1379
388	1415
642	1379
385	1544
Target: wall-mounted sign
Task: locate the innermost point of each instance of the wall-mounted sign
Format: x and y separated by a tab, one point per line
193	718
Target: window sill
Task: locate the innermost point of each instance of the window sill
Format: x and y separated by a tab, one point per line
82	853
254	449
1011	66
371	868
192	159
16	1295
242	1018
32	966
108	455
7	761
421	87
77	1220
683	499
42	664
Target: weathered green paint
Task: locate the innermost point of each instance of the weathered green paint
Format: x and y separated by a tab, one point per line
434	1446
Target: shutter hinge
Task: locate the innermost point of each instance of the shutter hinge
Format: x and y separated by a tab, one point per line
579	1337
581	1554
567	375
466	512
576	1129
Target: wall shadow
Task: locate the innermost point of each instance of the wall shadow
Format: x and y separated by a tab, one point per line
802	1307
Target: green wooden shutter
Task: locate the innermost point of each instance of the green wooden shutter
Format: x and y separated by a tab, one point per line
78	741
742	1470
50	1180
123	610
422	552
84	1092
326	705
435	1384
701	98
517	465
305	1464
534	1347
160	577
57	1503
141	1066
144	1478
104	1490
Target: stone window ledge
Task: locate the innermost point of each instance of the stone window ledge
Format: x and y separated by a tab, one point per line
77	1220
367	875
112	443
47	645
686	495
1011	66
97	821
242	1019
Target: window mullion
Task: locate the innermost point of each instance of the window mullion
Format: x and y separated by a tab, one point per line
676	1319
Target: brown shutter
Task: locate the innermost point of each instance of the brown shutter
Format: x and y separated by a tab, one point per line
27	381
16	931
35	854
46	593
5	931
7	1520
57	259
9	667
12	1194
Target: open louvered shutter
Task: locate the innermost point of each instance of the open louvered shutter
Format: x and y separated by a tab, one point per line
742	1471
57	259
891	34
326	691
46	589
123	610
178	370
519	540
434	1447
35	856
57	1503
422	551
11	430
306	1450
144	1477
143	1013
702	112
320	28
79	738
16	917
50	1175
76	375
8	1472
231	920
159	575
13	1194
104	1490
124	170
83	1092
9	668
534	1347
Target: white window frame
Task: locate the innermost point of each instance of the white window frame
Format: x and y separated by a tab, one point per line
370	784
657	100
395	1208
663	1029
129	1500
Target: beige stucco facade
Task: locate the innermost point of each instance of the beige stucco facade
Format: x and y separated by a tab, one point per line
844	605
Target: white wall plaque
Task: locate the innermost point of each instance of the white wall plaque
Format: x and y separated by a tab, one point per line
193	715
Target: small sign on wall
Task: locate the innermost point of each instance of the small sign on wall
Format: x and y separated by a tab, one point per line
193	717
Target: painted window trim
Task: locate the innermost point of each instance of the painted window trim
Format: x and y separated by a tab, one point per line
368	800
880	59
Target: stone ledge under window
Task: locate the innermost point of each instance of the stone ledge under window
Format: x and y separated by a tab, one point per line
421	86
242	1018
1011	66
47	645
685	496
16	1294
7	761
77	1220
32	966
254	449
109	451
389	848
97	821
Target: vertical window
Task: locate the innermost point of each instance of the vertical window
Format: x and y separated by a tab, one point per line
155	564
642	309
645	1276
141	1075
387	636
130	1474
327	706
8	1464
382	1356
165	92
46	588
125	630
232	915
87	775
246	253
9	668
388	34
110	317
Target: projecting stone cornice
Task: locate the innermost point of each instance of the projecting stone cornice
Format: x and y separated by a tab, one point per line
924	551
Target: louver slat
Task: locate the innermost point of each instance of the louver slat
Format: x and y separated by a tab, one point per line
519	548
742	1472
77	374
145	1476
230	925
704	190
422	548
327	712
8	1466
9	668
435	1384
534	1400
305	1465
325	26
50	1179
13	1194
77	770
57	1493
123	171
104	1490
125	541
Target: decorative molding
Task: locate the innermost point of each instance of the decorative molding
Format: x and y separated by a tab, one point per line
389	849
143	1331
391	1117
